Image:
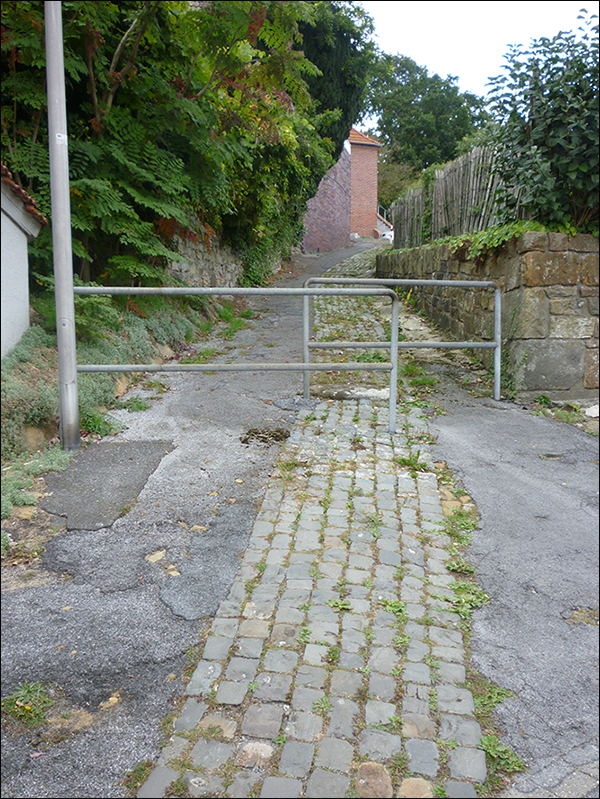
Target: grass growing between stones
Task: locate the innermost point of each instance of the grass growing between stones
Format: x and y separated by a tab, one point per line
135	778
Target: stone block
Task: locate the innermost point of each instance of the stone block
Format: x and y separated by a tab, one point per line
460	790
378	744
345	683
549	269
415	726
325	783
225	726
466	732
532	240
373	781
304	726
272	687
417	673
381	686
467	764
280	660
262	721
158	781
547	365
590	374
254	628
203	677
242	784
383	659
423	757
589	269
573	327
559	242
344	712
455	700
190	715
210	754
281	788
304	698
296	759
512	273
202	784
241	669
311	676
377	712
415	788
335	754
255	754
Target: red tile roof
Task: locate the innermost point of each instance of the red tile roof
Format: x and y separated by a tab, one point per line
28	201
356	137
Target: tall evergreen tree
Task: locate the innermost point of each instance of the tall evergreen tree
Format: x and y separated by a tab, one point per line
337	42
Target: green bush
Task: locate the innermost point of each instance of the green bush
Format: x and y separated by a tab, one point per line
546	109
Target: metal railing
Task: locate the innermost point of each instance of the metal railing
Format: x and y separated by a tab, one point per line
305	366
496	344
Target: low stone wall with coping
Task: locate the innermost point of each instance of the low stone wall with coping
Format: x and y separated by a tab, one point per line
549	306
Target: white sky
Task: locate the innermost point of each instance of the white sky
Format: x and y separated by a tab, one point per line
468	39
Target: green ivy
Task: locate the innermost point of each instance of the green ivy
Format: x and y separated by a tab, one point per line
477	244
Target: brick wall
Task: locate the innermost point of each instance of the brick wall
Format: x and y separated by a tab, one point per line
327	221
549	306
364	189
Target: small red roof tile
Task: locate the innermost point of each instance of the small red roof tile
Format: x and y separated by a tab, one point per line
356	137
28	202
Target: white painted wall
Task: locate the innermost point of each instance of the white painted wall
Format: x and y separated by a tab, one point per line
18	228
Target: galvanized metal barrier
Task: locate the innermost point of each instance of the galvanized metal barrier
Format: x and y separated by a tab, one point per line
496	344
305	366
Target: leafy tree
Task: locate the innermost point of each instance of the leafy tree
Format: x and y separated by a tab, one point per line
181	121
546	107
393	179
420	117
337	42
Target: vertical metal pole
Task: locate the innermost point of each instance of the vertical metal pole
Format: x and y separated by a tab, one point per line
394	359
61	228
498	341
305	350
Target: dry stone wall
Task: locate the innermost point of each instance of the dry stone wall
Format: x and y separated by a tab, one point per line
549	306
202	267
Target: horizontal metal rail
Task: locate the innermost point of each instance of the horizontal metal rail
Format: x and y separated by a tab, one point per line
496	344
305	366
232	367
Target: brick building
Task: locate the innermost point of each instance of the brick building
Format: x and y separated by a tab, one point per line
346	201
363	191
327	221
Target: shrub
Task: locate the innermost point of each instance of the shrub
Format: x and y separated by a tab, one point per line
546	105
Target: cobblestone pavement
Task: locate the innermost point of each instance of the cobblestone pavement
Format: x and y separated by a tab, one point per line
336	665
336	651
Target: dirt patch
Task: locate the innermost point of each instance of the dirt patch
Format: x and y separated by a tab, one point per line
29	529
265	435
62	722
582	616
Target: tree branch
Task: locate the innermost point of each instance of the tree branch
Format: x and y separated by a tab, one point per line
90	66
110	93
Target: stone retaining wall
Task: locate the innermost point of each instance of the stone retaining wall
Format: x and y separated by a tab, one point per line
202	267
549	306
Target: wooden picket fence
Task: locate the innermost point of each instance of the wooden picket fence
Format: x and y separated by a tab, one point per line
460	200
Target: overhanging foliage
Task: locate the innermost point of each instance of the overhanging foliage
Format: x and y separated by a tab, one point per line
182	121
